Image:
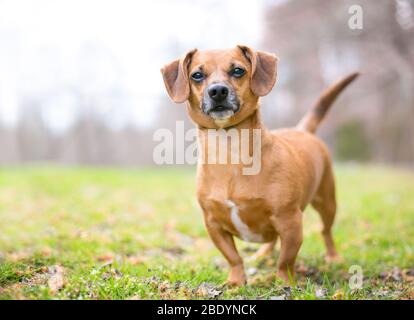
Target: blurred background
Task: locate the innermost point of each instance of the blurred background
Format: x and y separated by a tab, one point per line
80	81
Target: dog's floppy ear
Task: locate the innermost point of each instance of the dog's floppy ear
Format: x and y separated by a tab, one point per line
264	70
175	76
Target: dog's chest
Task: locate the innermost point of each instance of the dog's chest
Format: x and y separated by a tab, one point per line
238	208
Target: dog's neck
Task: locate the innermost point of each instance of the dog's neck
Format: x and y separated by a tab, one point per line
251	127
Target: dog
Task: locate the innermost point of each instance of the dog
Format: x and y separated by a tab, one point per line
222	89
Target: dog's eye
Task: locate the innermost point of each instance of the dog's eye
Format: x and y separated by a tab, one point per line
197	76
237	72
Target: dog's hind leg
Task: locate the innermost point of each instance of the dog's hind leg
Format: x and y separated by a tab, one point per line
264	250
324	203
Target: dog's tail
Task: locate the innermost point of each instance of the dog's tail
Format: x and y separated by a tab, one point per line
313	118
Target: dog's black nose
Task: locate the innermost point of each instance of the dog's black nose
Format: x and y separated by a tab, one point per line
218	92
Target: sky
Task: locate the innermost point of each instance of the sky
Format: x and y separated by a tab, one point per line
57	52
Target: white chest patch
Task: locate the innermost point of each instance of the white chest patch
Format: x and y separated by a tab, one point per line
242	228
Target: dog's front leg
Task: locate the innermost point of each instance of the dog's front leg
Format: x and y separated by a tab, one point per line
289	227
225	243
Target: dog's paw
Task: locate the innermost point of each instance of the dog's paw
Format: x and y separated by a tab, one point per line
235	282
285	277
333	258
237	277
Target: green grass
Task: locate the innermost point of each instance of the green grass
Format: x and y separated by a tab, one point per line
138	234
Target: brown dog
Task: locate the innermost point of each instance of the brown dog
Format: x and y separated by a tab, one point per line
222	89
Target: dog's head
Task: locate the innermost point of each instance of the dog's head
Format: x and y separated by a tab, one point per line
221	86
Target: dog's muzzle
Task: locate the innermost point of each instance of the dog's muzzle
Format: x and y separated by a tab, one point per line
220	101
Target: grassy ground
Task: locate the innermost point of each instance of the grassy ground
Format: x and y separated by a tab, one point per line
119	234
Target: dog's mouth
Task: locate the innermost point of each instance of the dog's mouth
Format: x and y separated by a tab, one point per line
220	109
221	112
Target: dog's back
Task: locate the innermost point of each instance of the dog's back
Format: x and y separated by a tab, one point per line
311	151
